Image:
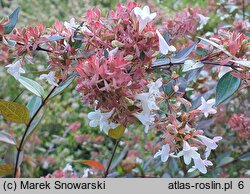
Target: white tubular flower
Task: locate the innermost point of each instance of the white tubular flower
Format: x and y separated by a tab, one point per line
146	119
203	21
147	101
50	78
144	16
164	153
71	25
68	168
15	69
210	145
138	160
84	29
163	45
97	118
86	173
207	106
154	87
113	51
188	153
200	165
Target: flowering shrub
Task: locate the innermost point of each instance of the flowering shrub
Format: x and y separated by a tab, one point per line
129	70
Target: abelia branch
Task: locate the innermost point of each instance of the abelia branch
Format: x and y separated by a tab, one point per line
20	147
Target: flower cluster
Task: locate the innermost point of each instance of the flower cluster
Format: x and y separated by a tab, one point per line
240	123
186	22
122	47
179	133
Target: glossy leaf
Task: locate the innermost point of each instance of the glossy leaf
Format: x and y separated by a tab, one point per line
7	138
13	20
166	37
168	88
14	112
220	47
226	87
193	74
32	86
161	61
33	125
77	41
191	65
245	157
34	104
10	43
224	161
117	132
6	169
183	54
243	63
55	38
63	85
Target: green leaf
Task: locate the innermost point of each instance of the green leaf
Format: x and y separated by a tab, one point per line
55	38
14	112
226	87
166	36
169	87
220	47
10	43
32	86
13	20
224	161
34	104
77	41
6	169
245	157
161	61
63	85
244	63
183	54
191	65
7	138
117	132
11	155
33	126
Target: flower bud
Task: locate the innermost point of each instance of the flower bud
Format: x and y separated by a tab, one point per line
244	42
149	34
129	58
187	137
116	43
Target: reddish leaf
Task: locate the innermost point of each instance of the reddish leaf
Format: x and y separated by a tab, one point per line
92	163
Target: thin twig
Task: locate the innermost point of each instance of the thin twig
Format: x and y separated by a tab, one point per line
243	9
204	62
15	99
112	156
27	128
